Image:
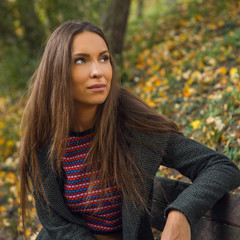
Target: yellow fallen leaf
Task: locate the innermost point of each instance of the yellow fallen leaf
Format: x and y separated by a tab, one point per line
213	26
28	232
2	208
140	66
147	88
195	124
221	70
176	54
155	67
162	72
2	141
200	65
229	89
179	176
198	17
18	200
157	83
233	71
150	102
11	177
220	23
150	61
183	37
222	58
138	38
2	125
183	22
9	143
19	31
39	227
187	91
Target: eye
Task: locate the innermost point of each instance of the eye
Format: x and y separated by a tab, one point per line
104	59
79	60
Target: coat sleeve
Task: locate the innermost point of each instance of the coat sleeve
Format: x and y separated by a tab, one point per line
57	221
212	174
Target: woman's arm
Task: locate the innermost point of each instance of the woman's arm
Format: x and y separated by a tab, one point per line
177	227
212	174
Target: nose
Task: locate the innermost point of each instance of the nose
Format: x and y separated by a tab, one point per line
96	71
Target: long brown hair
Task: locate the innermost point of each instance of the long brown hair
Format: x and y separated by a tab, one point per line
48	119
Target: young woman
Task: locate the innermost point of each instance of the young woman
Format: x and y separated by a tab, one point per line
91	149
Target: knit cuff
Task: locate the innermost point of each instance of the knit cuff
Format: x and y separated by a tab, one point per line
191	220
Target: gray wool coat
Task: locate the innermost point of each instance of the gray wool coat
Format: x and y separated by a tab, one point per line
212	174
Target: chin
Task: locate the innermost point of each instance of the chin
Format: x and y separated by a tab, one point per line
100	100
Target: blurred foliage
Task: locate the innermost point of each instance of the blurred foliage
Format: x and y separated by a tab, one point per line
25	26
11	109
181	57
185	64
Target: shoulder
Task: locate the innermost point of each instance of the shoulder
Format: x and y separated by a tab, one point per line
42	152
155	140
43	159
155	135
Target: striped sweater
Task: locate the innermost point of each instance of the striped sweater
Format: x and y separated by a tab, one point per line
101	214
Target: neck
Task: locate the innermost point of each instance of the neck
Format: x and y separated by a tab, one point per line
83	117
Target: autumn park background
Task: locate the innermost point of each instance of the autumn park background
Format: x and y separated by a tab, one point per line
182	57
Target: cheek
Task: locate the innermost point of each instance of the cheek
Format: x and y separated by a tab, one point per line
110	74
77	83
74	78
79	76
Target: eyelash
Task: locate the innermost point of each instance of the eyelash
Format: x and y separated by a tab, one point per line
105	58
78	59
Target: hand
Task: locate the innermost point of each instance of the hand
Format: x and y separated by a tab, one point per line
177	227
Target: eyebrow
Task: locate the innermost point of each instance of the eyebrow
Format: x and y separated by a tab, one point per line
87	55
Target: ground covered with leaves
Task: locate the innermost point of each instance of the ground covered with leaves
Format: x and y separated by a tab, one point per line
189	70
184	63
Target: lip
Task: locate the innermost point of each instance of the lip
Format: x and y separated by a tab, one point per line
98	87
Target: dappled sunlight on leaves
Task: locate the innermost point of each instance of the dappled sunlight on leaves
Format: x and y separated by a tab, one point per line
191	71
11	111
185	64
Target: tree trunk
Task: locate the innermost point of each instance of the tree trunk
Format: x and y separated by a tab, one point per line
115	24
140	9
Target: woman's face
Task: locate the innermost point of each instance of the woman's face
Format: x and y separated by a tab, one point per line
91	70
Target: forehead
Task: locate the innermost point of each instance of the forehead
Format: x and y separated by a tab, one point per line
88	42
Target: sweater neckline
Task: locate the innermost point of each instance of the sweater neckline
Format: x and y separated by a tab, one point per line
80	134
